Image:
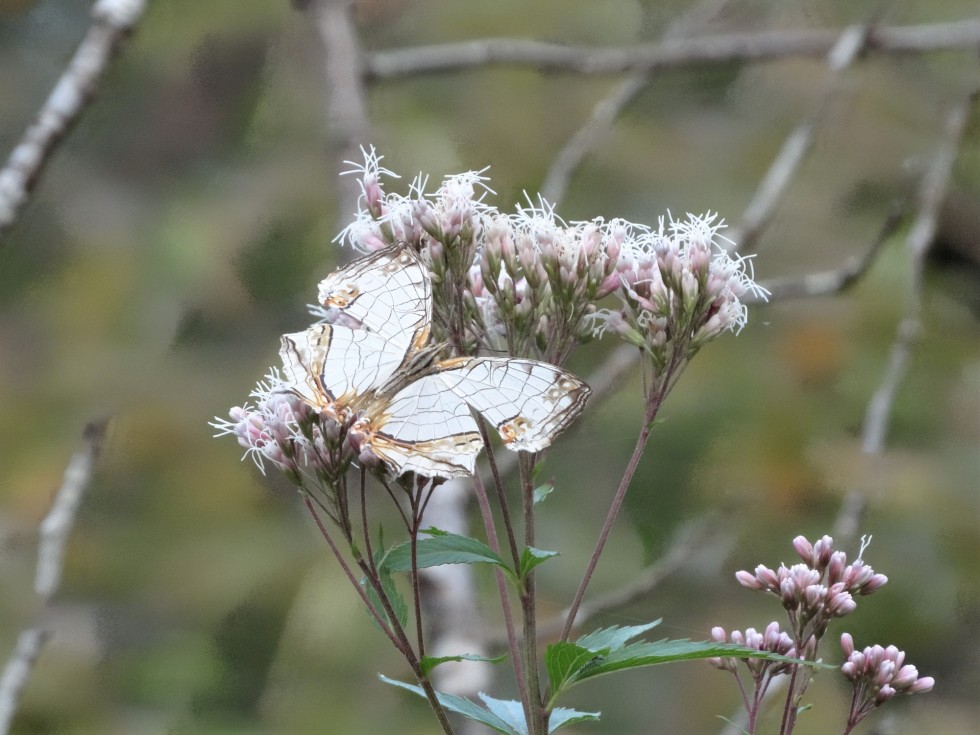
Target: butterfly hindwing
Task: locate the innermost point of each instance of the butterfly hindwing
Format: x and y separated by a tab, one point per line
423	428
529	402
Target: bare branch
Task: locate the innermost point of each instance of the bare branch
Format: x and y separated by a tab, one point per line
54	531
112	20
796	146
961	35
688	545
920	236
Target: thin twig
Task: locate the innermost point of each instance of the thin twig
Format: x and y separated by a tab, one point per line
54	532
112	20
963	35
346	99
920	237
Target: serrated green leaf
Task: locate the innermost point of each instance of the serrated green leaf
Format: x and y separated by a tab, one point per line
430	662
566	661
531	557
614	637
444	548
542	491
461	706
562	717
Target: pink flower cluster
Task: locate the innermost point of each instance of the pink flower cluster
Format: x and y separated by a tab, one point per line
679	289
283	429
878	674
772	640
820	589
529	283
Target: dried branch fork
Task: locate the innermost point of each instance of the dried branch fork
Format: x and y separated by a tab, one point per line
112	20
715	49
54	532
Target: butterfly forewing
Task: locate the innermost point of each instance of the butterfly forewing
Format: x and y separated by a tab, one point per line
328	364
387	292
529	402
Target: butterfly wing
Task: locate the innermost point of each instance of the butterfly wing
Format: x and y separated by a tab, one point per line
387	292
329	365
529	402
423	428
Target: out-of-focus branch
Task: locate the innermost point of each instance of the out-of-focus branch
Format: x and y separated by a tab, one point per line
759	212
826	283
604	114
715	49
689	544
112	20
346	99
54	532
930	196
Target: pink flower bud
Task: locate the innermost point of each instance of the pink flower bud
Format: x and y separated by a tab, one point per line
718	634
923	685
835	567
822	551
804	549
747	579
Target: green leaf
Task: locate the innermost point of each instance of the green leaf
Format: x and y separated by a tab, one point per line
391	592
562	717
542	491
614	637
443	548
566	661
667	651
430	662
531	557
508	710
463	707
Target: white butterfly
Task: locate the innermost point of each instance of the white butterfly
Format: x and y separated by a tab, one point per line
409	408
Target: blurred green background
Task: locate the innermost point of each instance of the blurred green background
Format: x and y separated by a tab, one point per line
184	223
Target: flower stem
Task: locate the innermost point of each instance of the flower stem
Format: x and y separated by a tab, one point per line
653	405
512	641
390	626
538	724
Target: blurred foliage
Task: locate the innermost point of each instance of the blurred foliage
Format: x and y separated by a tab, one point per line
184	222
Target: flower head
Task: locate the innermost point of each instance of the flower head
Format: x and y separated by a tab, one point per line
285	430
679	289
818	590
